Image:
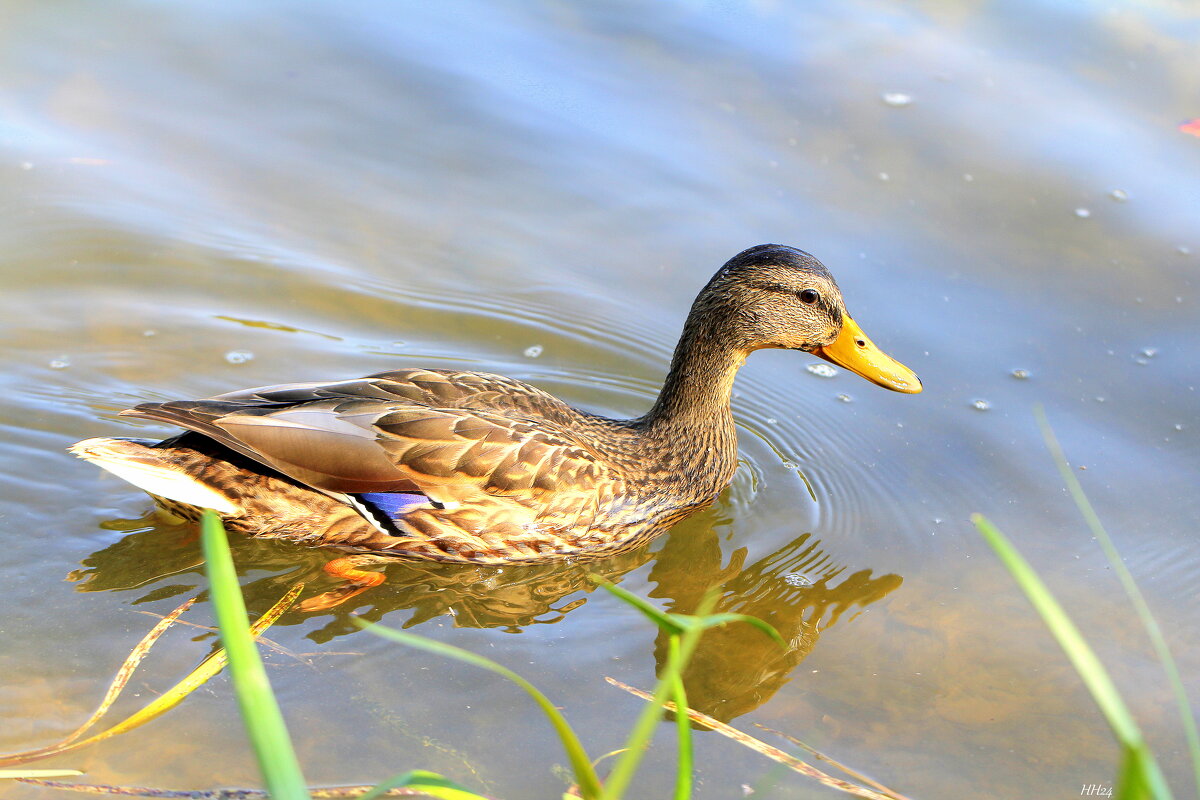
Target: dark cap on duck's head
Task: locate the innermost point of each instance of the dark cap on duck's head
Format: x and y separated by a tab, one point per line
776	255
775	296
774	267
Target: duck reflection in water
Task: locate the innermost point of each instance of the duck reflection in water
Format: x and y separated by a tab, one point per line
162	556
799	589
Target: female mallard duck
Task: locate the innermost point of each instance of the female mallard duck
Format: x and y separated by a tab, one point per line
472	467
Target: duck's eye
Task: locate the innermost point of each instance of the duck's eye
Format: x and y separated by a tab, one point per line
809	296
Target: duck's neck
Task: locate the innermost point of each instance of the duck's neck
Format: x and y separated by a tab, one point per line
692	413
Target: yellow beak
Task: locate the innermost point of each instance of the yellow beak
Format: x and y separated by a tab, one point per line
855	352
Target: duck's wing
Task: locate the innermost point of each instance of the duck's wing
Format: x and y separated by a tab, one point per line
382	435
425	387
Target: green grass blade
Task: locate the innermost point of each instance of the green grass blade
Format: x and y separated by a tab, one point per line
581	765
676	624
1161	649
643	729
1128	787
1131	781
260	711
671	623
429	783
1068	636
1084	659
639	737
716	620
683	726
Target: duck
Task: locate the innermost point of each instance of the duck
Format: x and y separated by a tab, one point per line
471	467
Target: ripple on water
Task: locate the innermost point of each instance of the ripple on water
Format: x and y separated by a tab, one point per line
845	461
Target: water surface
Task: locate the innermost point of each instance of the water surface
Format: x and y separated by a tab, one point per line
203	197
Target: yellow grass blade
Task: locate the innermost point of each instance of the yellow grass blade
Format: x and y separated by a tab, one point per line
126	671
773	753
119	681
161	704
204	671
325	793
858	776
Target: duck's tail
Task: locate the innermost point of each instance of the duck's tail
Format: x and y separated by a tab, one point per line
153	470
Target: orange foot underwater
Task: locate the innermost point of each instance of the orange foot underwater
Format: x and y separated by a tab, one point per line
357	582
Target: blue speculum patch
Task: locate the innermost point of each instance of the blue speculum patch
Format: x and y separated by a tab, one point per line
393	505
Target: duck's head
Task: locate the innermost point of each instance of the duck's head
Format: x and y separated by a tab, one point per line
777	296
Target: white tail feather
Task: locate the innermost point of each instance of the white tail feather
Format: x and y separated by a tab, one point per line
114	455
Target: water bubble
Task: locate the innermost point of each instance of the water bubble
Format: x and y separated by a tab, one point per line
1183	250
238	356
821	370
981	405
1083	213
1144	355
772	421
1178	426
62	362
897	99
1020	374
845	398
149	332
797	579
883	176
534	351
1120	195
968	177
26	165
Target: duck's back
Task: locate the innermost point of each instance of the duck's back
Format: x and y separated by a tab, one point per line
346	425
423	387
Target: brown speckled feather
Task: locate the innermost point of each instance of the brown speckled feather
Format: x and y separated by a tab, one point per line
509	483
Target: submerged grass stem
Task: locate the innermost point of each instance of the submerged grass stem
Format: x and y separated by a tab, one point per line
1136	598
